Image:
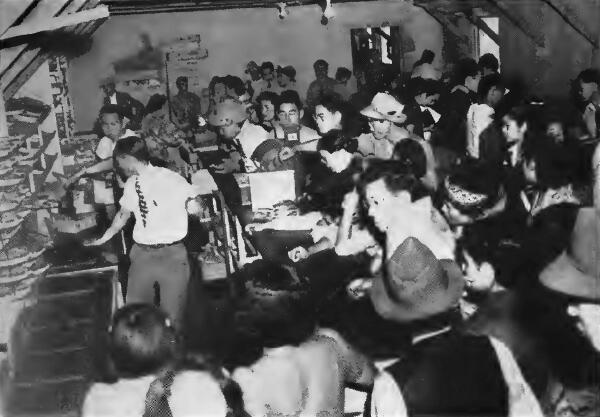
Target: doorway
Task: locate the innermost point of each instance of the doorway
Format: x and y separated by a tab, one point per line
377	56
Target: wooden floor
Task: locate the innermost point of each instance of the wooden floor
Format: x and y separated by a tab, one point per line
60	345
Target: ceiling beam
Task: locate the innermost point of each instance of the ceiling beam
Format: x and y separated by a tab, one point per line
518	22
570	17
34	58
12	10
447	24
130	7
481	25
54	23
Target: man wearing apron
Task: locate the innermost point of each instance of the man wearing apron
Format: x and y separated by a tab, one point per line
288	129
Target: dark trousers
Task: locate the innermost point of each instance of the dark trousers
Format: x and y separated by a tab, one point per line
163	272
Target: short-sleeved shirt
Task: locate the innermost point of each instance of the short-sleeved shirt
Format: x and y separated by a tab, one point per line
193	393
158	197
249	138
103	191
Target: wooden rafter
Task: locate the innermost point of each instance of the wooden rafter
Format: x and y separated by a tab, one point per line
34	58
128	7
481	25
518	22
565	11
54	23
28	59
447	24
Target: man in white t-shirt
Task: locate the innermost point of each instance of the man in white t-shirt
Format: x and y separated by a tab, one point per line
160	200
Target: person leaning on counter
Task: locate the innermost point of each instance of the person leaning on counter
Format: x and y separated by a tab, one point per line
160	200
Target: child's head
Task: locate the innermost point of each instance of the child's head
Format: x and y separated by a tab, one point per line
112	121
142	340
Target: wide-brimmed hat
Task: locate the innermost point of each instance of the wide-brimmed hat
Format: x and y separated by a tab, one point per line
416	284
385	107
576	271
227	113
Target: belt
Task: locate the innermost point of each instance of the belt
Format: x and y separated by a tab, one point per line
158	245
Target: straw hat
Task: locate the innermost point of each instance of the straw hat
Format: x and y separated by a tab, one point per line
576	271
416	285
385	107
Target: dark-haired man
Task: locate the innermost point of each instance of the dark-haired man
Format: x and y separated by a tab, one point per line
268	82
322	86
130	107
480	115
185	106
488	64
456	106
421	115
160	201
289	129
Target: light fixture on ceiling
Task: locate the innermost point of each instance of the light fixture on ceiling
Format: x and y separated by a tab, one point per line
283	12
328	12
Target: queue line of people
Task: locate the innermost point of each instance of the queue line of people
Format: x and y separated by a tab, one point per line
439	197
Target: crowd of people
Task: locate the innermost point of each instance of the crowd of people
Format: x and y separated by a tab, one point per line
444	261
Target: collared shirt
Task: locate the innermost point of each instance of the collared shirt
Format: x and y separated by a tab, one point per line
193	393
113	98
387	399
160	213
368	146
103	191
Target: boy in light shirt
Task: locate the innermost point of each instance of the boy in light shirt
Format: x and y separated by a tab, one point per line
113	124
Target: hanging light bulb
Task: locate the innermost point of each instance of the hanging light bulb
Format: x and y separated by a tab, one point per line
328	12
283	12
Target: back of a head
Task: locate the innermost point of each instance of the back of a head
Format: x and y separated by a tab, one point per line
488	82
397	177
342	73
418	86
142	340
411	155
427	57
466	67
290	97
132	146
267	65
489	61
273	310
590	75
554	166
236	84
